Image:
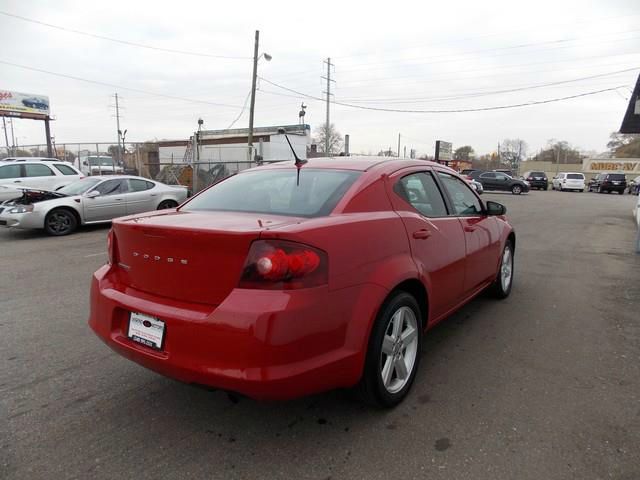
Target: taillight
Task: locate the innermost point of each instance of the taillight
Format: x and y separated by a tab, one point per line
281	264
529	179
111	247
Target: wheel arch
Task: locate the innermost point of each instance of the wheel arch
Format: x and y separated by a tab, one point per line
68	208
417	290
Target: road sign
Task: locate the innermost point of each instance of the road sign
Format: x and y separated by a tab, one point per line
444	151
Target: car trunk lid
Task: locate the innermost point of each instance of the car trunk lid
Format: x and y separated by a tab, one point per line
188	256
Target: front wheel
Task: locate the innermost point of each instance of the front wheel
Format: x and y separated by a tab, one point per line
516	189
60	222
501	286
393	354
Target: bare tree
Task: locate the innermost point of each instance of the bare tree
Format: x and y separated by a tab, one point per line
334	137
513	151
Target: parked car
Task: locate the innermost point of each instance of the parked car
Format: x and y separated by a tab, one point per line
633	187
500	181
280	281
477	186
608	182
536	179
29	159
568	181
90	200
45	175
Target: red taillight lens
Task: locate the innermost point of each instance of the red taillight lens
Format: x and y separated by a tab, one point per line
529	179
281	264
111	247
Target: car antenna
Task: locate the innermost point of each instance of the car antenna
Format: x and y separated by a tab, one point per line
298	161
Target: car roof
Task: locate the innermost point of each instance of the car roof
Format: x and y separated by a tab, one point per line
119	177
31	159
356	162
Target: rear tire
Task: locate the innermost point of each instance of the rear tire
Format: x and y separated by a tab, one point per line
516	189
501	286
59	222
165	204
393	353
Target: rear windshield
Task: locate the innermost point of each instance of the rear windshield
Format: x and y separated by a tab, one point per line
575	176
616	176
537	174
277	192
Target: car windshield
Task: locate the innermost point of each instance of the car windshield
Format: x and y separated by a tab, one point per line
80	186
102	161
575	176
277	192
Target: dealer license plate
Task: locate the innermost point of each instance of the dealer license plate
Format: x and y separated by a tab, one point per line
146	330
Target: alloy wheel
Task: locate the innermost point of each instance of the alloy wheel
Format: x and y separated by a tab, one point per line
506	268
59	222
399	349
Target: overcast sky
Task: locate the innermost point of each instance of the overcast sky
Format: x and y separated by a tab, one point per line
405	55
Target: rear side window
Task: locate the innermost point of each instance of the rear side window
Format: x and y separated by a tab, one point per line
278	192
420	190
136	185
575	176
465	202
35	170
10	171
65	169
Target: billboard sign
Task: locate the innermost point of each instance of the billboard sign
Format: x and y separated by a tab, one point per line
28	105
631	120
444	151
610	165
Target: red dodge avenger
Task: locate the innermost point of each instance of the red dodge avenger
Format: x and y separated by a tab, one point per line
290	279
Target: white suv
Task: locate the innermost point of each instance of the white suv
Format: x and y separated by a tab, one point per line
37	174
568	181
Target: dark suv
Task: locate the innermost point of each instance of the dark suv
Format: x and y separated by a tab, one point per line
537	180
499	181
608	182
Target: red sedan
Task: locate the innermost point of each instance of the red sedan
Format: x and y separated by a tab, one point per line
280	281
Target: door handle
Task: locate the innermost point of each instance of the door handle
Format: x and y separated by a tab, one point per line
421	234
153	195
17	181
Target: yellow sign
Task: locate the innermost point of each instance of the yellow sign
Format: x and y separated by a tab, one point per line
620	165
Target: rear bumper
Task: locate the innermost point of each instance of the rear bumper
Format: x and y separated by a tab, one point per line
270	345
538	183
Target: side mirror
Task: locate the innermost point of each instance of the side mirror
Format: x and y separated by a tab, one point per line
92	194
495	208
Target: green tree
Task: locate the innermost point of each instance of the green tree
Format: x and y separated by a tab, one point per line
465	153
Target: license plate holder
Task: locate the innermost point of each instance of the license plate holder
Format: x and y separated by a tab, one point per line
146	330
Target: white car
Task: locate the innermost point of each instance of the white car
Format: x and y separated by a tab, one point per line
35	173
568	181
93	199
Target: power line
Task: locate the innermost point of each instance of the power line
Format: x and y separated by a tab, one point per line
120	87
459	110
494	92
244	107
123	42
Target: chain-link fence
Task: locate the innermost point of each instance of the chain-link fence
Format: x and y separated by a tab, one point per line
171	164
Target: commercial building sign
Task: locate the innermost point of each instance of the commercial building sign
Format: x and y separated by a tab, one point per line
28	105
444	151
618	165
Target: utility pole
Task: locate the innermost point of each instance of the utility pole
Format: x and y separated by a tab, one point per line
13	139
6	135
253	95
398	145
328	92
118	126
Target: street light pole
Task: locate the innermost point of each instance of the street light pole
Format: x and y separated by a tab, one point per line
253	95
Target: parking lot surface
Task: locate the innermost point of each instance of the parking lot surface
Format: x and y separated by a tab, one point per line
543	385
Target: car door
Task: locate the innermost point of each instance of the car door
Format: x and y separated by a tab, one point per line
436	239
142	196
11	175
38	175
109	204
502	181
488	180
481	232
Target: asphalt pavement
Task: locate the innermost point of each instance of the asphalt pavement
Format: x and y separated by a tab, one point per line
543	385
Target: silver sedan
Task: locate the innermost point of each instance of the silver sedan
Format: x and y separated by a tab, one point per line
90	200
